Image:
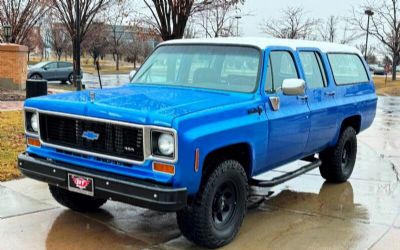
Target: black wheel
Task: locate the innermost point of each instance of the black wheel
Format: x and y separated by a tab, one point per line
71	79
75	201
338	162
215	217
36	77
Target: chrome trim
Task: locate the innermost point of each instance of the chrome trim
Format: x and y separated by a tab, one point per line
275	102
292	87
146	138
28	133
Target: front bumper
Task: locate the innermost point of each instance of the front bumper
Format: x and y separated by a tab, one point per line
107	185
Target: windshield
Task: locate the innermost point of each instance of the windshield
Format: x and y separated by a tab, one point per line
39	65
230	68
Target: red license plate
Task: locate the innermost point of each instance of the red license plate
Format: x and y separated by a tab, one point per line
80	184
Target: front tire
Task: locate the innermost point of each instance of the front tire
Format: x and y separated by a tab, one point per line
71	78
215	217
75	201
338	162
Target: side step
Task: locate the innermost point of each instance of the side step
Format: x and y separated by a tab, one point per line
287	176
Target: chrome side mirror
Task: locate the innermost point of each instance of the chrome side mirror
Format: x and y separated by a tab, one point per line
294	87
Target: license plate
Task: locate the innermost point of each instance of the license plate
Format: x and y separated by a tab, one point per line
80	184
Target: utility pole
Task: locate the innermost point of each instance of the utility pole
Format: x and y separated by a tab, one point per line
77	47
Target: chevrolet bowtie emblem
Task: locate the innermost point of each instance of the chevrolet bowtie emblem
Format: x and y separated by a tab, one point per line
92	96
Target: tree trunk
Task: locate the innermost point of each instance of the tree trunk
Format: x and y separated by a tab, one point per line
394	66
117	61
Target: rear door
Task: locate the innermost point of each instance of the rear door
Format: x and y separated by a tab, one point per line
321	100
289	125
64	70
50	71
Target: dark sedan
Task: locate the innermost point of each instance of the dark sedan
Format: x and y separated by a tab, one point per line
52	71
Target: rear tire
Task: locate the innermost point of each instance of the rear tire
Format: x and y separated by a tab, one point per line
338	162
75	201
36	77
215	217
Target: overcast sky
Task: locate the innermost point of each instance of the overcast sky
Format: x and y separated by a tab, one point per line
262	9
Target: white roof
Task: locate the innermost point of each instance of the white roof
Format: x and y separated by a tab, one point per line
263	43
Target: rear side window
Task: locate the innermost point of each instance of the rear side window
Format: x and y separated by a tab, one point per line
281	67
313	69
347	69
64	65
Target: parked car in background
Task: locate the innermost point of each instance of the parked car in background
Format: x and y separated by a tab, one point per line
377	69
51	71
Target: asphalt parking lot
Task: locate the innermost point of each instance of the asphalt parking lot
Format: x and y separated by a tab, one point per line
305	213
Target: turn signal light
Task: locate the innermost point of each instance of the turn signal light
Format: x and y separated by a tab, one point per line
33	142
164	168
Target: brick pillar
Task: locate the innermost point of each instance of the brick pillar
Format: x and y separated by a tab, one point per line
13	66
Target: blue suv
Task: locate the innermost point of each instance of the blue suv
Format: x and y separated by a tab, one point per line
199	121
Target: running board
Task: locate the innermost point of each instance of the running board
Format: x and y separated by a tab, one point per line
287	176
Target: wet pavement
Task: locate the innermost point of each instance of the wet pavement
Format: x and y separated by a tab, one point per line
305	213
91	81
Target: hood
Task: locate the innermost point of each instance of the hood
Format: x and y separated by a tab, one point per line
141	104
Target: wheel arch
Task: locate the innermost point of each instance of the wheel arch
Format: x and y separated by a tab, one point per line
242	152
351	121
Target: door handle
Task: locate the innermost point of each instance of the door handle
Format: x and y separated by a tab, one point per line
303	97
331	93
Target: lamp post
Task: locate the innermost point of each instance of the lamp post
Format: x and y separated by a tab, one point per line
7	29
77	48
369	13
238	17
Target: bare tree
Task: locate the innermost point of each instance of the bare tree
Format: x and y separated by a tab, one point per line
171	16
59	39
293	24
385	26
117	17
22	15
89	9
139	47
97	42
330	30
219	16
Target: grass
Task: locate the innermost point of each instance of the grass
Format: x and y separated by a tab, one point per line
389	88
12	142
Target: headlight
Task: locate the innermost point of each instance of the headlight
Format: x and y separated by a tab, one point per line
163	144
34	122
31	121
166	144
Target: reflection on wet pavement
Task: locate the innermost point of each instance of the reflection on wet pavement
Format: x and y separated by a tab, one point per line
304	213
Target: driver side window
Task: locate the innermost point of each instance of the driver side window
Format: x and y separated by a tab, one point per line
281	66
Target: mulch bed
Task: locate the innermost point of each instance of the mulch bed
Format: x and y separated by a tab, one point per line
12	95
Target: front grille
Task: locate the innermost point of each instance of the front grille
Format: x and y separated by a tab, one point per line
113	139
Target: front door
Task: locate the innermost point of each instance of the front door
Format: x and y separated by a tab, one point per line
321	100
290	124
